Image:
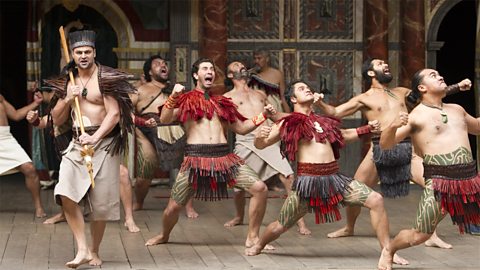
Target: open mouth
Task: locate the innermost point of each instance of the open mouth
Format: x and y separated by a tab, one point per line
209	80
163	71
386	70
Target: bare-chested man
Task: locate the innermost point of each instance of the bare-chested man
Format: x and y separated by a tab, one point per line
106	108
62	138
154	152
439	133
269	79
394	168
266	162
208	167
313	141
12	156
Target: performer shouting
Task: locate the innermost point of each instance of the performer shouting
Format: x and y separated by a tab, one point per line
208	167
159	147
106	107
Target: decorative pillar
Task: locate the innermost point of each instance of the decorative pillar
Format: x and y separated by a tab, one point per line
376	29
412	45
376	40
213	40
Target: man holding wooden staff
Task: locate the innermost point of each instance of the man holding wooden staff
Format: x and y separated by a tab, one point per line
105	108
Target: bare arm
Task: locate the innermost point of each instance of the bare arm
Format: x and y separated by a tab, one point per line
398	130
38	122
61	111
285	106
267	136
473	124
169	113
345	109
354	134
17	115
249	125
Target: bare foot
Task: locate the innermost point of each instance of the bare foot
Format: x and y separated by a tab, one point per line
234	222
55	219
131	226
95	261
81	258
385	261
399	260
302	228
137	206
249	243
343	232
191	213
252	251
435	241
156	240
40	213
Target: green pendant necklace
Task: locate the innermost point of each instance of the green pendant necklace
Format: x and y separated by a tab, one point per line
442	112
390	93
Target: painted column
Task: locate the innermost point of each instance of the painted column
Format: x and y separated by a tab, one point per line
213	40
412	45
376	29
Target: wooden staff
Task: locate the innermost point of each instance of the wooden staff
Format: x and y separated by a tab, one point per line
87	152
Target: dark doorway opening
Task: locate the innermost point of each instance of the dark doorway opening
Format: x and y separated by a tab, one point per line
456	59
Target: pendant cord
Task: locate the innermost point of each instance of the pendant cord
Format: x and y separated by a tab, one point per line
85	90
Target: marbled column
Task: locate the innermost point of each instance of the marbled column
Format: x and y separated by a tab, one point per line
412	45
213	40
376	29
376	39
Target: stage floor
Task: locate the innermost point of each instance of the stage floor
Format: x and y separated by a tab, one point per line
25	243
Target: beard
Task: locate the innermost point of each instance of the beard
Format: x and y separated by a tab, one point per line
382	77
159	78
238	75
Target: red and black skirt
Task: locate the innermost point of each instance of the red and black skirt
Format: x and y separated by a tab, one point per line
211	169
457	188
322	187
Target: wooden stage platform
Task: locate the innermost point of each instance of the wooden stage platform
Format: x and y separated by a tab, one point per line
25	243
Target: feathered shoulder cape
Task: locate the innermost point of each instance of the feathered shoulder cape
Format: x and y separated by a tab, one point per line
112	82
299	126
195	105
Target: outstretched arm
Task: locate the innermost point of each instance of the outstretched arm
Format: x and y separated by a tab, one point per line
345	109
353	134
17	115
473	124
36	121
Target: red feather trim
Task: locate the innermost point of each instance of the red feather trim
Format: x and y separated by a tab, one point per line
298	126
194	106
460	199
211	176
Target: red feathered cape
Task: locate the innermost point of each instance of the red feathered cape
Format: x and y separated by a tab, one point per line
195	105
299	126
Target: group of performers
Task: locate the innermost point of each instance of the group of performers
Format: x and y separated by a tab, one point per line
277	128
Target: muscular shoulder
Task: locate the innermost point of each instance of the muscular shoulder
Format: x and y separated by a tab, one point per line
401	90
2	98
453	106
